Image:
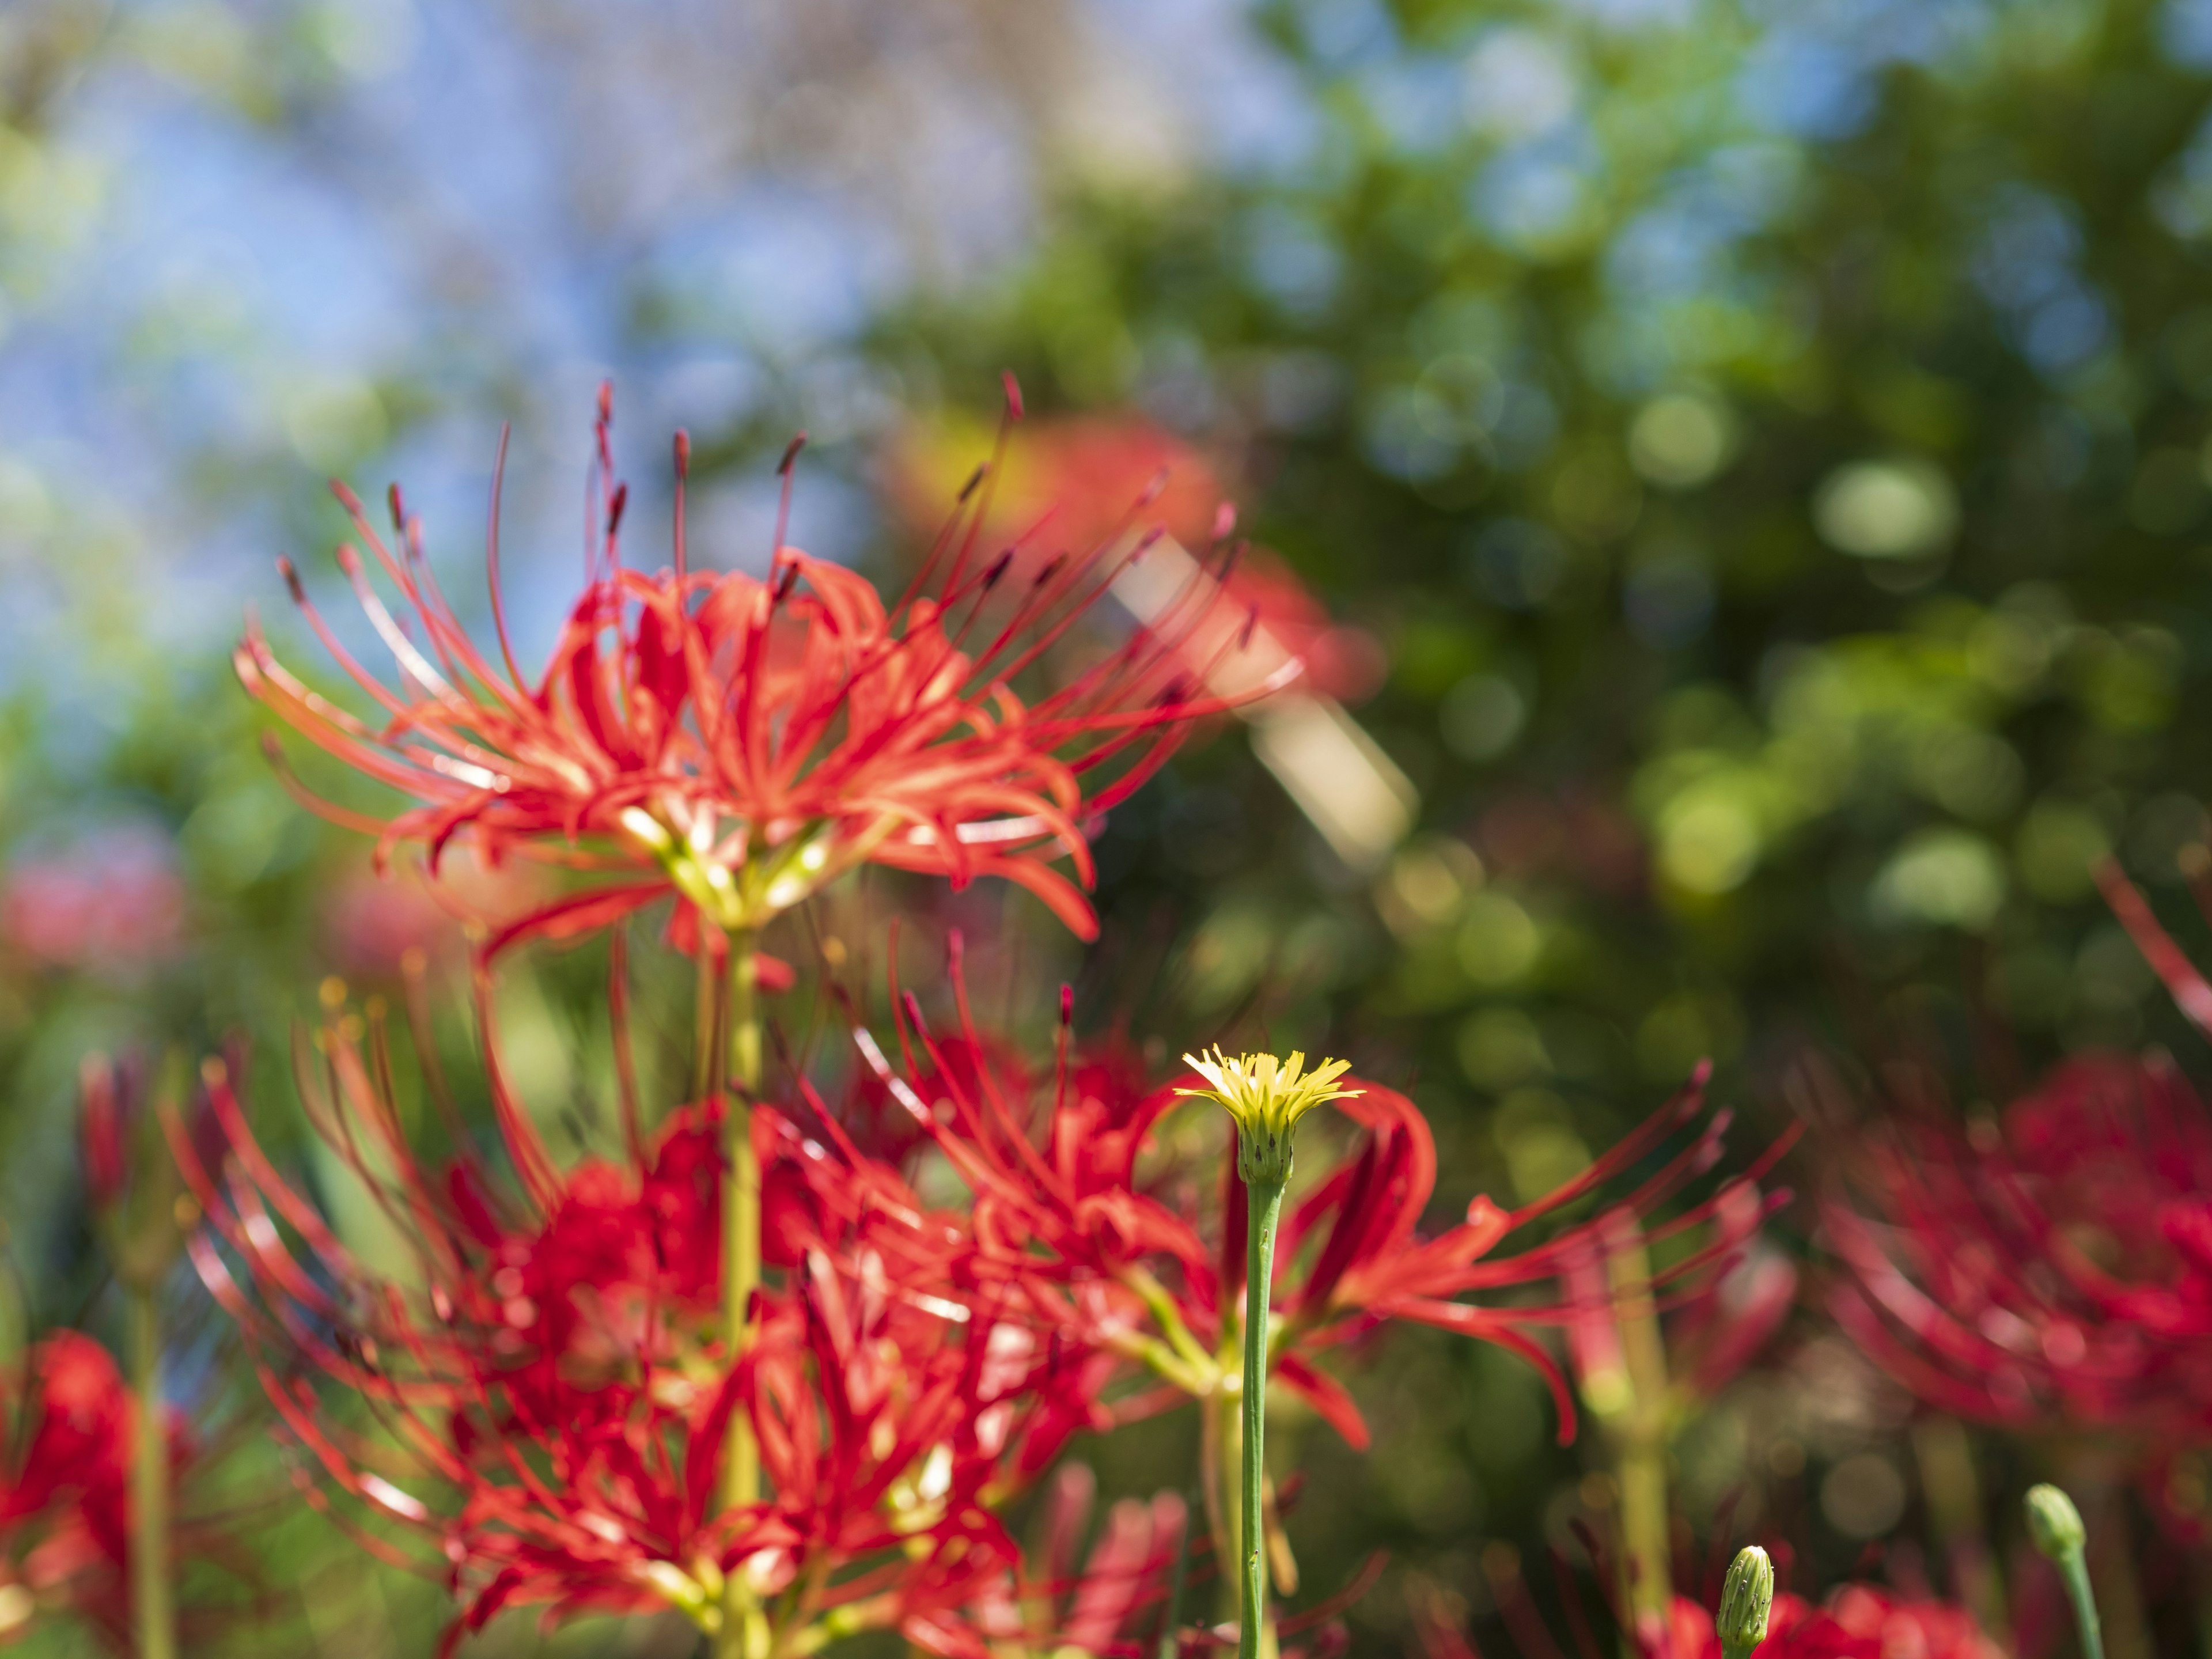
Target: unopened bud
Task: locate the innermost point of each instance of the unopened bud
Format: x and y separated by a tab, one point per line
2054	1524
1746	1600
99	1131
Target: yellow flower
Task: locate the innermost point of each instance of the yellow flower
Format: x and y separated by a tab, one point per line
1267	1097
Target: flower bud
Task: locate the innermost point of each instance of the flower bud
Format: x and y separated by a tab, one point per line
1746	1600
99	1131
130	1180
2054	1524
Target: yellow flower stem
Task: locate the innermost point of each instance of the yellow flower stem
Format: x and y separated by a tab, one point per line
1266	1196
743	1634
153	1604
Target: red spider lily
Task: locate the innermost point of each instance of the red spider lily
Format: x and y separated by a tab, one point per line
1063	1222
2050	1268
548	1396
1085	470
63	1481
66	1431
111	904
1858	1622
738	742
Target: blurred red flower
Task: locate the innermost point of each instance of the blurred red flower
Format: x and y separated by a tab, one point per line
1102	1605
112	903
372	921
1858	1622
1085	470
66	1431
2052	1267
738	742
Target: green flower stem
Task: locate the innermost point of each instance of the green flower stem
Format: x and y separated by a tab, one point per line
153	1603
1267	1209
2055	1527
1640	1438
743	1634
2075	1570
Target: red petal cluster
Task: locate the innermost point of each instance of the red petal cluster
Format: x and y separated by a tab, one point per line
66	1427
2051	1266
1067	1225
1859	1622
548	1400
1108	1603
737	740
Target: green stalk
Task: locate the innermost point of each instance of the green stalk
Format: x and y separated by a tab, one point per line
1640	1440
2055	1527
153	1602
743	1633
2074	1569
1267	1208
741	1197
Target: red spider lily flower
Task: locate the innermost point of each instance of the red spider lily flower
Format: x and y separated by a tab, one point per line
113	904
738	742
1062	1220
1858	1622
548	1398
2050	1268
1085	470
66	1431
64	1531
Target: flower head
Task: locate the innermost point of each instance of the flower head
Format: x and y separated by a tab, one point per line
1267	1097
738	742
